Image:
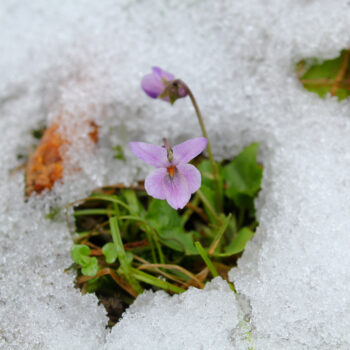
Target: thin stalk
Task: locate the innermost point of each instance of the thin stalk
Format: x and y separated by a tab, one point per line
210	265
206	259
205	201
186	215
219	235
156	269
172	267
210	153
341	73
92	212
151	231
149	279
116	209
108	271
122	256
109	198
150	240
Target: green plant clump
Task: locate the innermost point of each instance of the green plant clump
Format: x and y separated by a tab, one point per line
325	77
126	242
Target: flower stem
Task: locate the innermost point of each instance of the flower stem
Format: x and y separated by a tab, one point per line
214	166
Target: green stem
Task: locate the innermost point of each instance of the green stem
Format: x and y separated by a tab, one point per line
206	259
149	279
210	265
122	256
186	215
106	197
150	231
91	212
219	235
214	166
205	201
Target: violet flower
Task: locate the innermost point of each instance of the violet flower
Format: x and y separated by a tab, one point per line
174	179
162	84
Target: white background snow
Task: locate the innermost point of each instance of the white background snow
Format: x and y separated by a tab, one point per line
86	59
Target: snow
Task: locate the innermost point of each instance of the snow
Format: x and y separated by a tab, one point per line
155	319
84	60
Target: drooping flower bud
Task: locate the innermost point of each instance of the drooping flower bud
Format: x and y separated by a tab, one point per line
161	84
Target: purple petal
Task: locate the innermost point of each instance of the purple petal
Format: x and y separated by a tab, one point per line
189	149
152	85
151	154
154	183
192	176
163	74
176	190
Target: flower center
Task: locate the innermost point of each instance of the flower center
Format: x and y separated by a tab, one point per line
171	170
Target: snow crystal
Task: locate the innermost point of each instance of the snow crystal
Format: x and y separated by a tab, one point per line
83	60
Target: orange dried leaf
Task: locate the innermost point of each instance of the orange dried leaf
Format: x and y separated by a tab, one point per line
45	165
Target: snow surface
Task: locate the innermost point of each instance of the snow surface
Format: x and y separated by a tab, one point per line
84	59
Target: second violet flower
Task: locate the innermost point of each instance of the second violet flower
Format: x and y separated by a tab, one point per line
174	179
162	84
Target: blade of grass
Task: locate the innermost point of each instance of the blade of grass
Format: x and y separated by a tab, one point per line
189	211
151	242
341	73
219	235
202	275
206	259
151	230
205	201
122	256
173	267
110	198
165	274
119	280
149	279
210	265
82	212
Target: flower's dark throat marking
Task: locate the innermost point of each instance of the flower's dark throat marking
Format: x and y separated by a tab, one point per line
171	170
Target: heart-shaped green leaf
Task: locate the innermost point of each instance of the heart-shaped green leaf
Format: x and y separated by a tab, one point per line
167	223
243	176
110	252
80	255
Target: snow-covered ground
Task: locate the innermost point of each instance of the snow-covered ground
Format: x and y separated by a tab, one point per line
84	59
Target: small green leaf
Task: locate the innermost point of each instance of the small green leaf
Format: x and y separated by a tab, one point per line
118	152
162	215
133	202
238	244
243	176
167	223
129	257
314	69
91	268
110	252
177	239
79	253
207	175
